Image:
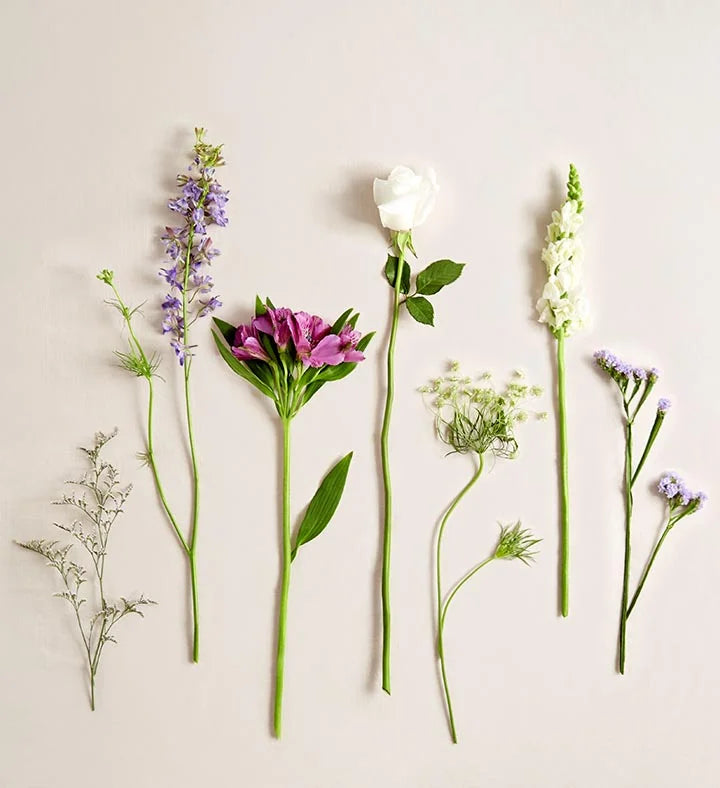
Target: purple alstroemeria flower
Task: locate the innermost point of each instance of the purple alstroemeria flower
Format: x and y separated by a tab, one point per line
335	349
276	323
349	339
247	346
307	331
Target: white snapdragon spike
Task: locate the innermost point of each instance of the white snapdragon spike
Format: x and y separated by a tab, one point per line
563	304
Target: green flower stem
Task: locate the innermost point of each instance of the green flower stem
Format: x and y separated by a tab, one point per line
387	485
564	489
648	566
626	566
285	587
151	400
442	610
659	418
441	648
192	541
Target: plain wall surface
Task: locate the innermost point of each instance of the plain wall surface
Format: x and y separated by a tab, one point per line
312	100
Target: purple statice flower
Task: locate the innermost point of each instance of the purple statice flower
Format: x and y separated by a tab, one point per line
653	374
678	494
276	323
201	202
247	345
663	405
622	372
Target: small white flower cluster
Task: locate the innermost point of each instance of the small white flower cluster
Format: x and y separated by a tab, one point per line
563	305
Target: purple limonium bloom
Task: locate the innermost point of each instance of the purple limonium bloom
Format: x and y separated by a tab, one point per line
276	323
247	345
678	494
663	405
201	203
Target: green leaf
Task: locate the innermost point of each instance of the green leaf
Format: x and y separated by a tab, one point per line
270	304
438	274
241	369
311	390
421	310
225	329
260	308
390	271
324	503
338	325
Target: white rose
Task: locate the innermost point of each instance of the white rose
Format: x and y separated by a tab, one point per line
405	199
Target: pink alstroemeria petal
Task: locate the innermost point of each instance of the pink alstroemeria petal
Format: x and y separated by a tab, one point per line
328	351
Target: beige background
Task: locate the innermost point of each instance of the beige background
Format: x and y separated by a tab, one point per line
312	100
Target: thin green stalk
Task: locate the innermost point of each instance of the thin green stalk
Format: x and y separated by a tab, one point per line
154	468
626	566
564	489
659	418
438	580
648	567
149	440
441	647
193	458
285	587
387	485
195	512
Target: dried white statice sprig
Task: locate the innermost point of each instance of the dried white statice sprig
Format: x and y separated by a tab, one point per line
99	504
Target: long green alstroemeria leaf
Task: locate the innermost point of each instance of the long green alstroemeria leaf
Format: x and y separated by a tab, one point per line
239	368
324	503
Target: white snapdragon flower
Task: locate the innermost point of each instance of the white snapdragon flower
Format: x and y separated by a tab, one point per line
562	304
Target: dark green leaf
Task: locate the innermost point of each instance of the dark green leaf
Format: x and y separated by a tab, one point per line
239	368
324	503
391	269
269	303
338	325
365	341
312	389
421	310
226	330
438	274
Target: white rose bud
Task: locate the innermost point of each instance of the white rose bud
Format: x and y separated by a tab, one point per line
405	199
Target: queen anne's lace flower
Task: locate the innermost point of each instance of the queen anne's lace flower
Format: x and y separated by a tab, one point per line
563	305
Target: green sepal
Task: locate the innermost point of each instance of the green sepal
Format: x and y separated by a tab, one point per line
323	504
438	274
421	309
260	308
391	271
270	304
239	368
